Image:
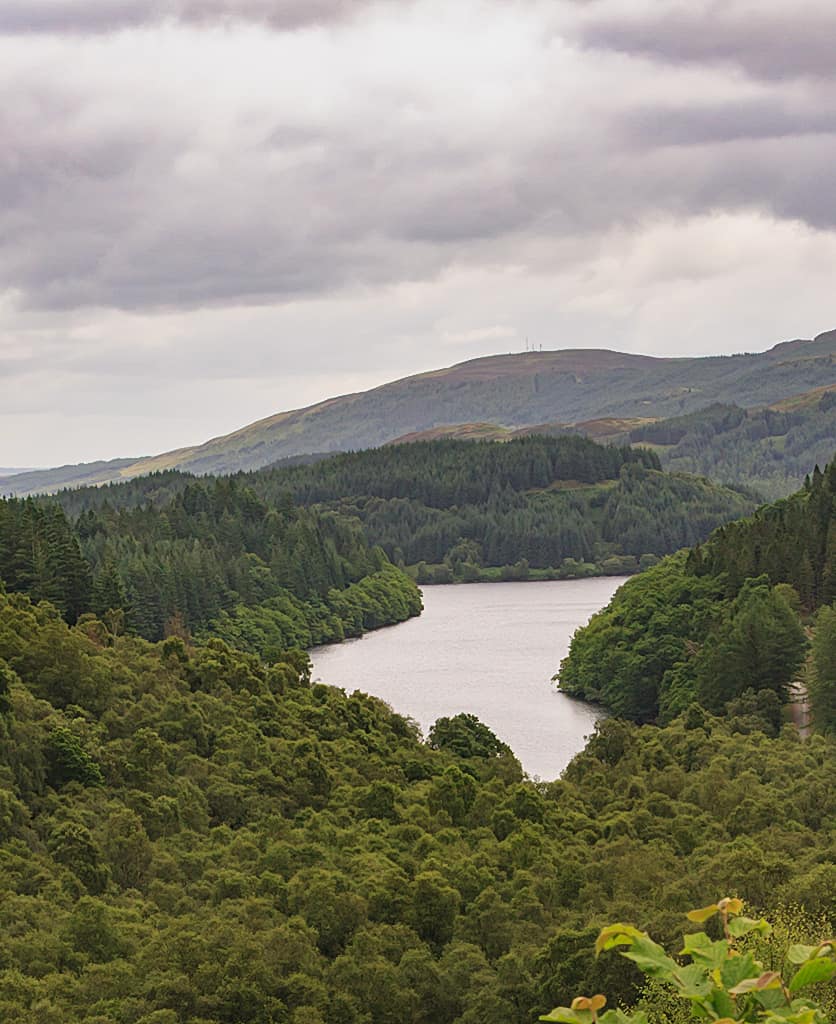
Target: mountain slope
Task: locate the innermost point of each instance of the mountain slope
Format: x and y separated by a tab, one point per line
769	449
514	390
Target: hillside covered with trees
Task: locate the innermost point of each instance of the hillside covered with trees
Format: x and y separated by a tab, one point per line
722	623
191	836
565	505
769	450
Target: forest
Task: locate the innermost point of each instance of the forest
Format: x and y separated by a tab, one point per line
767	449
723	623
192	832
533	507
212	559
189	835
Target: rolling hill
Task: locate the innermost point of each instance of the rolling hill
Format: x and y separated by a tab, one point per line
515	390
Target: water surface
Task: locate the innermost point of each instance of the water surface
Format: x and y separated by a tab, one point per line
489	649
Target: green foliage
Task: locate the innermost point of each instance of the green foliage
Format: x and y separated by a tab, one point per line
767	449
68	761
221	841
465	736
40	556
721	982
822	684
562	504
209	558
760	645
720	620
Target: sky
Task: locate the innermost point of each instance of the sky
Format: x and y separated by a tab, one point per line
214	210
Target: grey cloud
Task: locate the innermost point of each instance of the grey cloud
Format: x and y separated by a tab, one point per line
19	17
771	45
748	120
97	211
117	228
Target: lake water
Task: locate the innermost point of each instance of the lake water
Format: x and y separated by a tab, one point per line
489	649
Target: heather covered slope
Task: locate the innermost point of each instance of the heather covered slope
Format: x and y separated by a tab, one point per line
514	390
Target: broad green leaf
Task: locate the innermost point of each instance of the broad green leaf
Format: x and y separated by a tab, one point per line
771	999
798	954
563	1015
722	1003
709	954
818	969
616	935
703	914
692	981
738	968
739	926
651	958
697	940
620	1017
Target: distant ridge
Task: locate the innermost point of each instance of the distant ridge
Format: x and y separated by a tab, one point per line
521	390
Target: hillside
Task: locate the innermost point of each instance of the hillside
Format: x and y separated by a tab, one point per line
533	507
522	389
769	449
210	559
721	623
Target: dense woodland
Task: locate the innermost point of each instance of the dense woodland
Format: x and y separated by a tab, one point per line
723	622
213	558
191	836
769	450
563	504
194	834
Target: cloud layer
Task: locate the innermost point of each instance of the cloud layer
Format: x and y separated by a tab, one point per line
230	188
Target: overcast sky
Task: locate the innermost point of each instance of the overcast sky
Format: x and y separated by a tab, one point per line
213	210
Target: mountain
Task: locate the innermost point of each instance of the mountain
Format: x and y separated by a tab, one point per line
515	390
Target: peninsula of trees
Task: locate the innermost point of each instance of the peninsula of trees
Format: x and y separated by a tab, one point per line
721	624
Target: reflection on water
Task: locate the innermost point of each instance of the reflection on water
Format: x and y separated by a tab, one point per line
489	649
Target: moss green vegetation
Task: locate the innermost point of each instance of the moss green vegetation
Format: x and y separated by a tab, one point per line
189	835
208	559
551	502
721	623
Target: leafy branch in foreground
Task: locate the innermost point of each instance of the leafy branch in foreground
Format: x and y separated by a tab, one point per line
722	983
